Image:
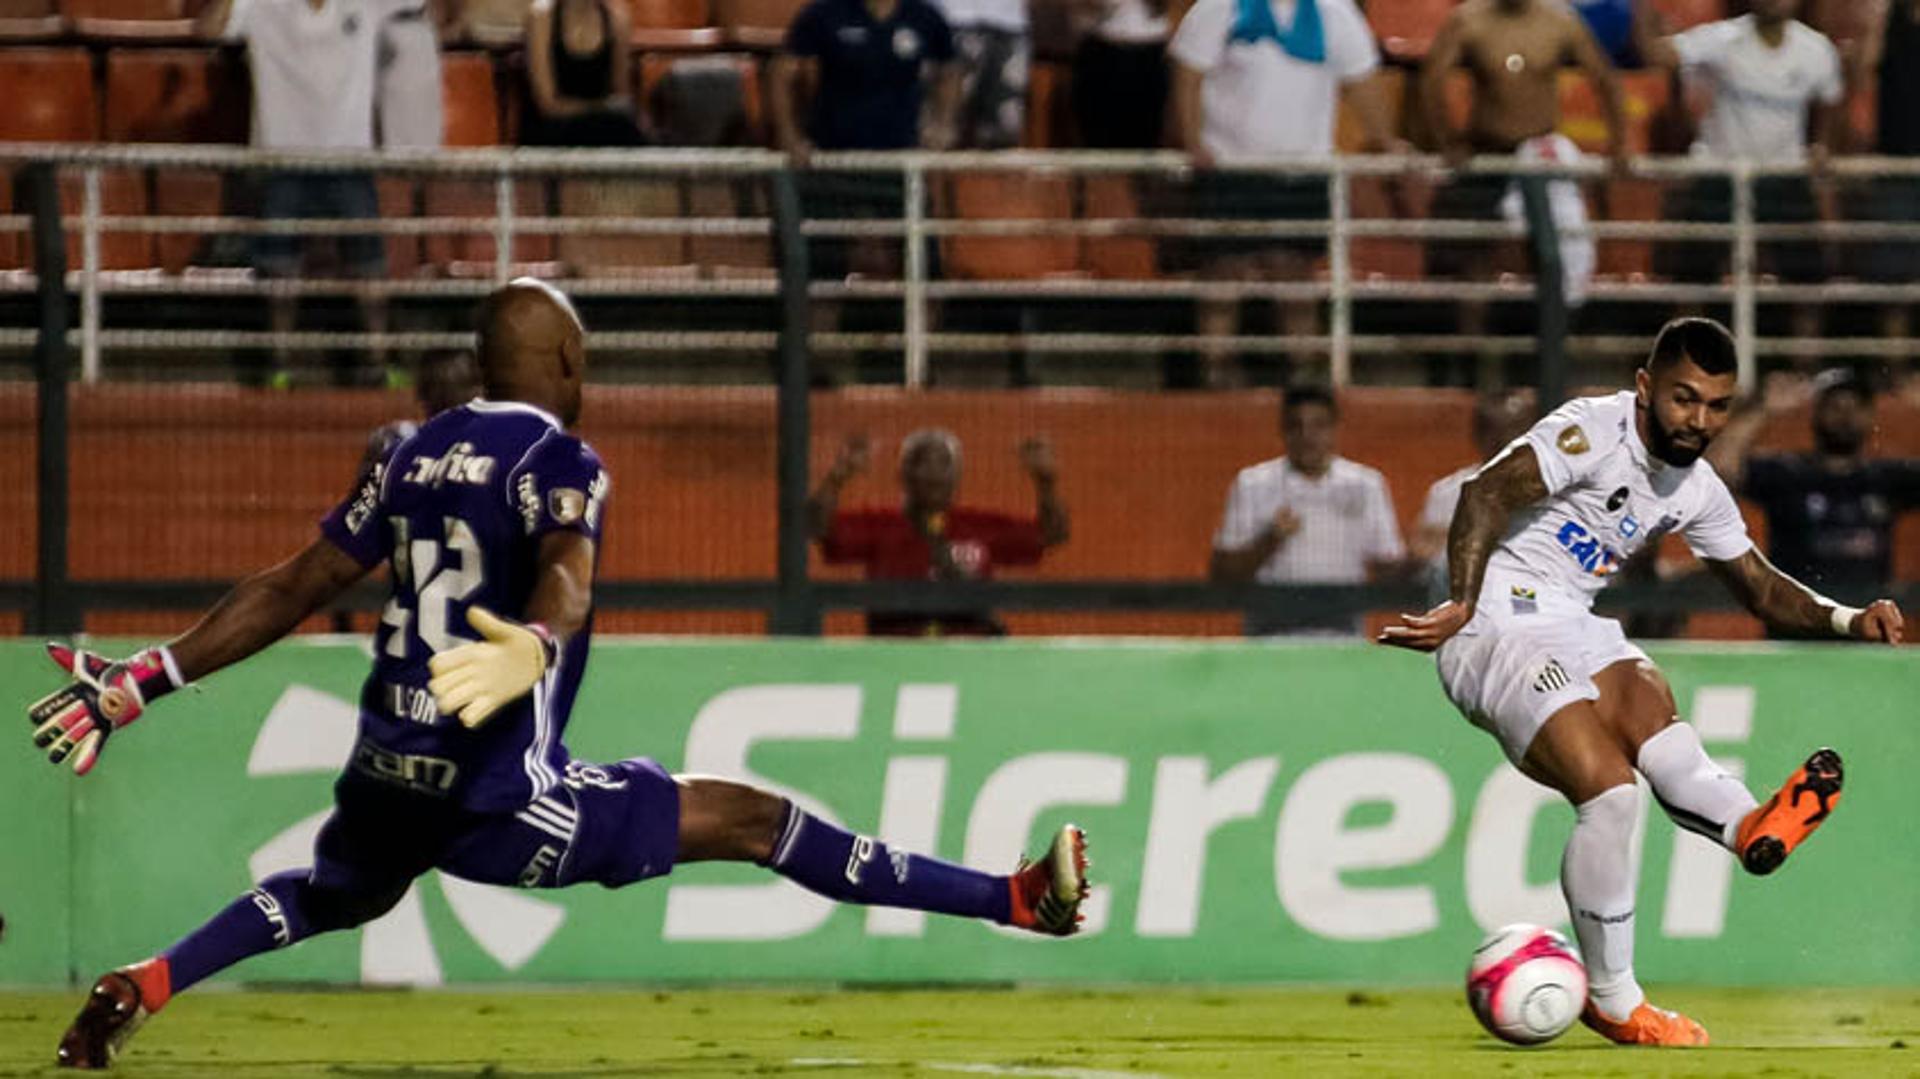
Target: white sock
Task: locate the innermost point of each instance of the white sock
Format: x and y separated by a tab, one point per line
1597	874
1698	794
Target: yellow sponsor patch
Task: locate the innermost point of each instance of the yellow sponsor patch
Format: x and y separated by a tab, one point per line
1573	441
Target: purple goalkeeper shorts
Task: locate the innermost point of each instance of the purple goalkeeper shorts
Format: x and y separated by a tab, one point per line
613	824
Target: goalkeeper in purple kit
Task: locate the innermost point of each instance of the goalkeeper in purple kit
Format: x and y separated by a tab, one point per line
489	518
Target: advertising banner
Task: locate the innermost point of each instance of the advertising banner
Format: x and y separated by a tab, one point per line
1257	813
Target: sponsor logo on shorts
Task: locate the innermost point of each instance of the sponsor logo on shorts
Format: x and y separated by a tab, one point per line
1552	678
429	775
536	871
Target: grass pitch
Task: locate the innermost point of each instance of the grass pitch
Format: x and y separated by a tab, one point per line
1068	1033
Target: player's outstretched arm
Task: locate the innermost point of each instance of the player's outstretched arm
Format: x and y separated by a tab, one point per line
473	681
264	608
73	722
1786	605
1509	483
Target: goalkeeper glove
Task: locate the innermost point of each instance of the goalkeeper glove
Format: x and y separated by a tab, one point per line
104	696
476	680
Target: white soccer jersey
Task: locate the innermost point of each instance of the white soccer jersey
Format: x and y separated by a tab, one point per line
1610	497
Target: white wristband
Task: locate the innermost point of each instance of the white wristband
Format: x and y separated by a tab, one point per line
1843	619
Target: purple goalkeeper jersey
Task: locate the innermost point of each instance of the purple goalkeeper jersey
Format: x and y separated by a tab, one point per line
458	511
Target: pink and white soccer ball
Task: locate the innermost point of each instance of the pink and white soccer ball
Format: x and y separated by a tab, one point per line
1526	984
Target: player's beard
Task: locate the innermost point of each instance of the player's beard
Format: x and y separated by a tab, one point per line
1662	443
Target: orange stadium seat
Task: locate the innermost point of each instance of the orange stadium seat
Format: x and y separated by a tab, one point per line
472	118
129	20
1406	28
1002	196
673	24
178	95
1643	94
756	24
1684	14
1049	106
613	255
1377	257
175	95
1124	258
1628	200
49	96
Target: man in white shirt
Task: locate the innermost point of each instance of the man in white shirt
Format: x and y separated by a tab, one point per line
313	64
1767	73
1576	706
1255	80
1311	517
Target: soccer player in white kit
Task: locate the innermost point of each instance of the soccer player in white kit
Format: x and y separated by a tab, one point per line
1577	706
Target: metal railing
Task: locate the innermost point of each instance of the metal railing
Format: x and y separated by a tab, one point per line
918	289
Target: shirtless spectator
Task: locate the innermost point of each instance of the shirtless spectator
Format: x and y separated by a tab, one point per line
1514	51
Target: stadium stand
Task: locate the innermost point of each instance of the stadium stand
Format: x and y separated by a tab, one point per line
1011	196
673	25
1406	28
1683	14
178	95
756	24
129	20
30	20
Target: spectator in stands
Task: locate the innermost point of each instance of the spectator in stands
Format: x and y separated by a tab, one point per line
867	60
313	65
1120	75
1830	513
579	75
1514	50
994	49
1257	79
1310	517
409	106
1891	58
929	538
1499	417
1767	72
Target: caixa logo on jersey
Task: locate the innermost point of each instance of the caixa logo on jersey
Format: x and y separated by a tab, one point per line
1595	557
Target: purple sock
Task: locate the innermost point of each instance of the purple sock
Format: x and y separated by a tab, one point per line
266	918
856	869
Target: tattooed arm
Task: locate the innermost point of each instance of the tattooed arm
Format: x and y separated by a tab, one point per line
1787	605
1511	482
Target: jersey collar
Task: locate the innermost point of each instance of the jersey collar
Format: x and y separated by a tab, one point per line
495	408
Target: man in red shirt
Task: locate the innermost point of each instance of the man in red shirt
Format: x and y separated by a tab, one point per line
929	538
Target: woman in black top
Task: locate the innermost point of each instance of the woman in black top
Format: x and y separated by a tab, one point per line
579	75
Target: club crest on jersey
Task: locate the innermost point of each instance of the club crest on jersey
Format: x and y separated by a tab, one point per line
1594	557
1573	441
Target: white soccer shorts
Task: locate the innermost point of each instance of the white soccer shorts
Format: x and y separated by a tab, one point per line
1509	674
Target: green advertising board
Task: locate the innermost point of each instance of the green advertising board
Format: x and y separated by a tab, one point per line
1256	813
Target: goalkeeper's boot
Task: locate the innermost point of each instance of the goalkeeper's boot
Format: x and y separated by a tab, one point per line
1768	834
120	1001
1647	1025
1047	894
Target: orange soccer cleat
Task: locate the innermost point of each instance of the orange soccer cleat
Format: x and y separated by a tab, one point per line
1768	834
1047	894
1647	1025
116	1007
